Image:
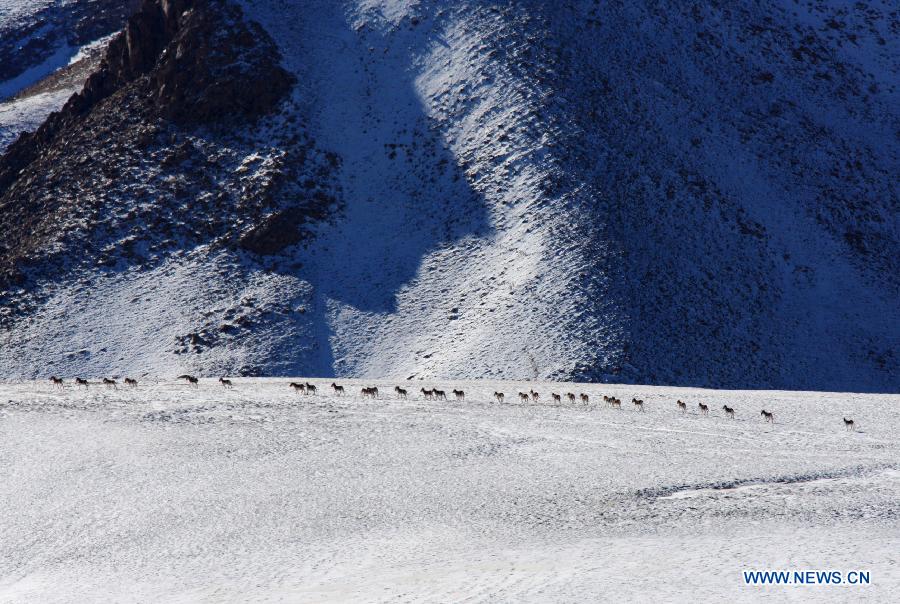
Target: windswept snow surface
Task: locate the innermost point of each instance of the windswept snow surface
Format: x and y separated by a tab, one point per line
169	493
27	113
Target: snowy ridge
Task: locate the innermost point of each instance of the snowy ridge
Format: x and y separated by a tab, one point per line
37	37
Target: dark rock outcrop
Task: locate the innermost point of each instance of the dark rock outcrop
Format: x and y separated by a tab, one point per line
240	78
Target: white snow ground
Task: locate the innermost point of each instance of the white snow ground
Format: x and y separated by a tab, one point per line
27	113
168	493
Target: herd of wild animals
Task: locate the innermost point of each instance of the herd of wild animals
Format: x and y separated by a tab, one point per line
435	394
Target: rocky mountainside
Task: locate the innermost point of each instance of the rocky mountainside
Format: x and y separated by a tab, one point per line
47	51
695	194
39	36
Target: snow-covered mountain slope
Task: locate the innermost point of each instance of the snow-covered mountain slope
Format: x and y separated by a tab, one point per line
666	193
169	493
27	109
47	50
38	37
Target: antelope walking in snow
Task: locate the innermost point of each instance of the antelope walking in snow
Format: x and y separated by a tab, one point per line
770	417
191	380
499	396
428	394
370	392
460	395
729	411
848	423
534	396
638	404
110	383
615	403
682	405
584	398
571	397
226	383
704	409
338	390
440	395
523	397
298	387
401	392
310	388
57	382
556	398
81	382
131	382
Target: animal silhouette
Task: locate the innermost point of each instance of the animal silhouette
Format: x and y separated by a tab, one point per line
191	380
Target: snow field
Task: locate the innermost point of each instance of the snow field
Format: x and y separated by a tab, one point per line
258	493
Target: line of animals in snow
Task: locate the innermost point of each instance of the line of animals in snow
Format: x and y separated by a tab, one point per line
435	394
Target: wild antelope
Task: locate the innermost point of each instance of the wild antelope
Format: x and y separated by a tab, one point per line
534	395
556	398
190	380
110	383
682	405
584	398
338	390
729	411
298	387
770	417
607	400
848	423
370	392
440	395
401	392
638	404
460	395
226	383
428	394
704	409
615	403
131	382
523	397
499	396
81	382
310	388
58	382
571	397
